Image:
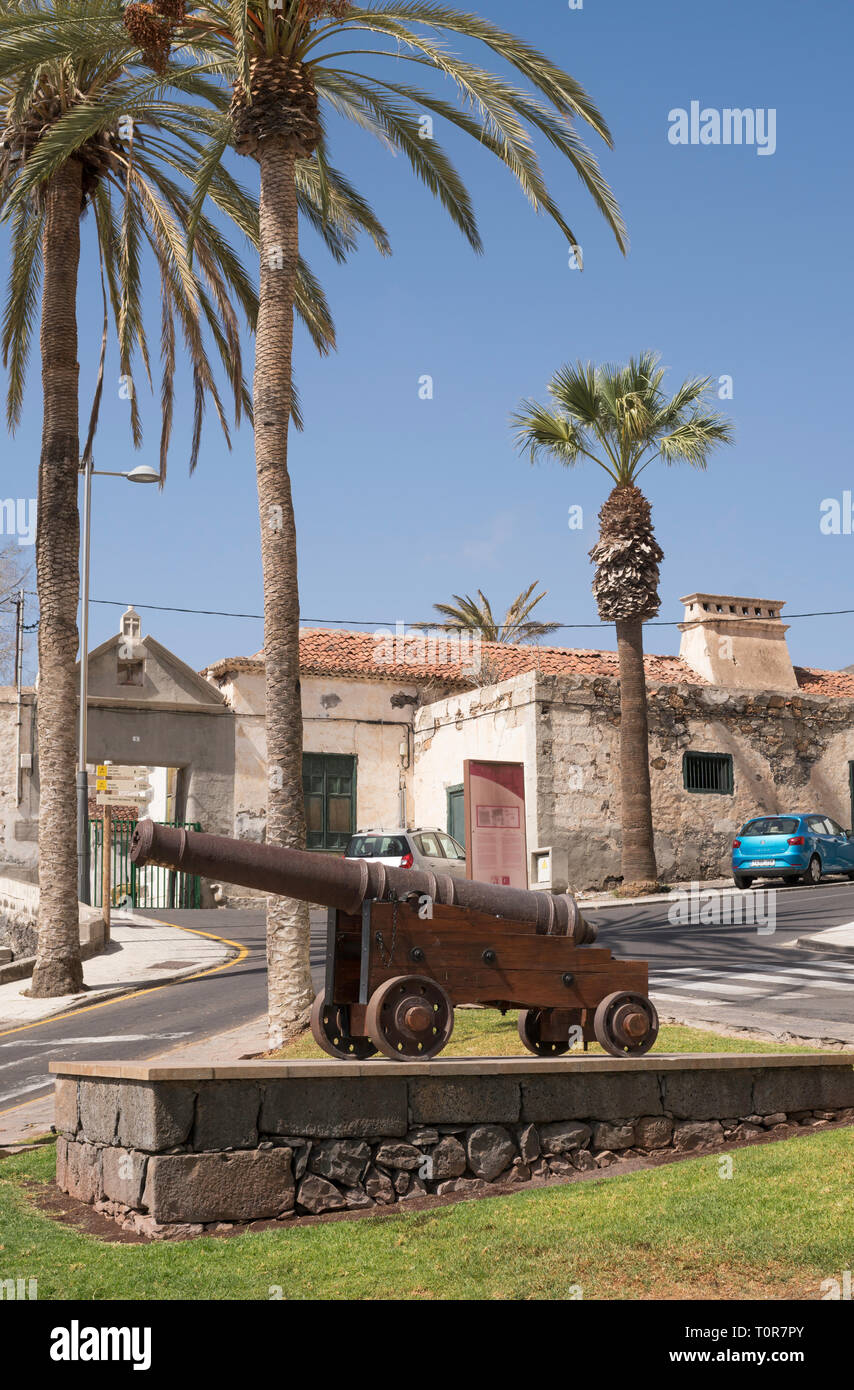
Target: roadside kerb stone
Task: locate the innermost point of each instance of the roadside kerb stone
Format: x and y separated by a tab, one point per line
250	1185
354	1107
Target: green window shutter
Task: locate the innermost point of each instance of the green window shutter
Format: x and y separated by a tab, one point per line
329	786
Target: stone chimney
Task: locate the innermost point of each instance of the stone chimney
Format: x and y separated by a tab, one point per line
737	642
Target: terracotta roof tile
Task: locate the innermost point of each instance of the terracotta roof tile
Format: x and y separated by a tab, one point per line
839	683
328	652
364	655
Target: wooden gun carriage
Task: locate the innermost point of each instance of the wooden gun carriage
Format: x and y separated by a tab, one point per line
405	947
394	976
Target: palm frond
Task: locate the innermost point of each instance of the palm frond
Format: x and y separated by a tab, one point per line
22	301
427	158
618	417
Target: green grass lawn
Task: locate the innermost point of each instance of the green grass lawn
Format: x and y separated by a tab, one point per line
779	1226
484	1033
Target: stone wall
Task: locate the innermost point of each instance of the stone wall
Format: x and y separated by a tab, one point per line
170	1151
790	752
18	820
19	904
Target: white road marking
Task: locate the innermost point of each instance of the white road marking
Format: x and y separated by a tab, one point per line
101	1038
724	983
683	998
38	1083
709	985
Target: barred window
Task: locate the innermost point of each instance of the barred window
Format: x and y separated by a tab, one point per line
708	772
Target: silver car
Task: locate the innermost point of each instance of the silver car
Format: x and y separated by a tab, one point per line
429	848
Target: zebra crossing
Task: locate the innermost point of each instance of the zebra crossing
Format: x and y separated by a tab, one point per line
778	984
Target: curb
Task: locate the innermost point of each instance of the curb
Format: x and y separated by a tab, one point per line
825	948
703	886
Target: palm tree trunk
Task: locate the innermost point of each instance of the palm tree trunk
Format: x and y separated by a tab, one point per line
289	986
58	969
638	856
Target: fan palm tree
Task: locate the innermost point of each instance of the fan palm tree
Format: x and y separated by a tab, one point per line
80	135
475	615
620	418
282	60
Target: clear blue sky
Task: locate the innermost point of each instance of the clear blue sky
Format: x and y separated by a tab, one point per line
740	264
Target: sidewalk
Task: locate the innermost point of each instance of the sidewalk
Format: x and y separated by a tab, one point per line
142	952
835	940
675	891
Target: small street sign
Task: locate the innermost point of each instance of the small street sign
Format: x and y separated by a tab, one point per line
122	798
117	770
124	784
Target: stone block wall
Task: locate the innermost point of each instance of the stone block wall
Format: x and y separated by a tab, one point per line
193	1151
789	751
19	902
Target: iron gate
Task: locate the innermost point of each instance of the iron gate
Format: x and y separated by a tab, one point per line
152	886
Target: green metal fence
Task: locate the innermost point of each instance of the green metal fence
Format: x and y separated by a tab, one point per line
152	886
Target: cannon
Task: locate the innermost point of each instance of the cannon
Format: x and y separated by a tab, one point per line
404	947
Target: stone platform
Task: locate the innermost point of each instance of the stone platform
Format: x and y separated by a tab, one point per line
160	1146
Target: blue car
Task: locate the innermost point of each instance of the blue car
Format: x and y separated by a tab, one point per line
797	848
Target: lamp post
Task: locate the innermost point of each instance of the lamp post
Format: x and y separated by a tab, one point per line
142	474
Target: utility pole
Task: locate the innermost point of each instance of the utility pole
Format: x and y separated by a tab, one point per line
19	687
141	474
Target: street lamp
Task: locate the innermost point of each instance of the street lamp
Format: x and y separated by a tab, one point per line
142	474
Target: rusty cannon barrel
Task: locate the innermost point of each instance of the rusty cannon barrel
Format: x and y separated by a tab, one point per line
345	884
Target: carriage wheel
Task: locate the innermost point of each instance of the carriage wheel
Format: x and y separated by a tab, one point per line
330	1027
625	1024
530	1031
409	1017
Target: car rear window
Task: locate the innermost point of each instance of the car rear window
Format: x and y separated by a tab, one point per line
376	847
771	825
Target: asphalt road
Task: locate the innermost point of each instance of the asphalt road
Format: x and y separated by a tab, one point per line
717	972
138	1025
746	975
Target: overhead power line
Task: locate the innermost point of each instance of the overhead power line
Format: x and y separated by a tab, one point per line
390	622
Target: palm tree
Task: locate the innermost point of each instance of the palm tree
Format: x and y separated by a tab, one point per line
282	61
621	419
81	135
469	615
